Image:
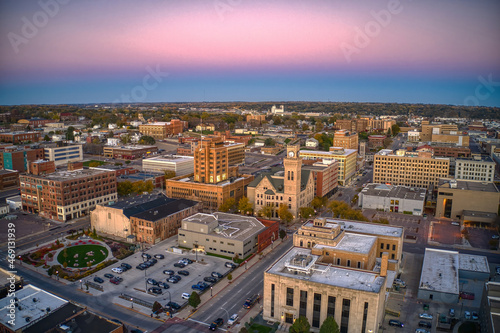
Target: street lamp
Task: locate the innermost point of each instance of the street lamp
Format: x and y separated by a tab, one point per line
196	250
132	303
57	276
210	291
245	264
226	313
81	285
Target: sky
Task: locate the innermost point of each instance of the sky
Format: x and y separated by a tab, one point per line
97	51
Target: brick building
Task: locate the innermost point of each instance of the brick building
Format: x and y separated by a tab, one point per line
9	178
345	139
65	195
129	152
376	141
162	130
18	158
326	177
20	137
42	167
35	122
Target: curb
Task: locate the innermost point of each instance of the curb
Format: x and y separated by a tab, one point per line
139	312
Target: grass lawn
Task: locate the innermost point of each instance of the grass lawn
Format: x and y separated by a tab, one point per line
82	258
260	328
86	163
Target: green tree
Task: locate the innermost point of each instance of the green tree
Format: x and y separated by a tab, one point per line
318	202
329	326
229	276
282	234
266	211
243	330
395	129
284	214
96	141
147	140
46	138
124	188
70	133
306	212
269	142
245	206
319	126
301	325
305	127
156	307
194	300
228	205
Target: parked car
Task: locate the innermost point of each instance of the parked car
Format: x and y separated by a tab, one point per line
250	301
497	270
400	283
98	279
109	276
179	264
455	223
146	255
142	266
216	324
425	316
155	290
217	275
475	316
168	272
173	279
117	270
421	330
159	256
153	260
467	315
187	260
185	273
152	281
185	296
197	287
495	236
233	319
125	265
396	323
203	284
467	295
210	279
452	313
425	324
173	305
115	280
163	285
230	265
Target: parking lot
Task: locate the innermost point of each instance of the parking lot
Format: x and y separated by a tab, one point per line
481	238
134	280
446	233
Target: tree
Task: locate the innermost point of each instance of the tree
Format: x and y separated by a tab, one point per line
269	142
194	300
266	211
228	205
245	206
301	325
147	140
305	127
284	214
236	257
329	326
156	307
46	137
306	212
96	141
282	234
243	330
70	133
124	188
318	202
395	129
229	276
318	126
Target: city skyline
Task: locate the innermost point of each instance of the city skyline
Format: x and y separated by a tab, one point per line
55	52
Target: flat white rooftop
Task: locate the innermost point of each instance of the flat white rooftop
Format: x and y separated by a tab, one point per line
474	263
325	274
27	308
440	271
362	227
169	159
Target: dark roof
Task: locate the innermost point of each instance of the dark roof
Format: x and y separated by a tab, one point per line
141	203
278	183
159	212
84	322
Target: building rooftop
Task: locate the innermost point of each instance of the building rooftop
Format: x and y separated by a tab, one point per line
299	263
345	152
134	147
277	179
440	271
475	158
167	209
170	159
232	226
361	227
352	243
390	191
7	171
28	310
474	263
63	175
469	185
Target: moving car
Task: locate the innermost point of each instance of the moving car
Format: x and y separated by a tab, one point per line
425	316
233	319
216	324
250	301
396	323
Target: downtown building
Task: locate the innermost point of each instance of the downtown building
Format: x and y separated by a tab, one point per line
63	155
162	130
336	268
413	169
346	158
345	139
66	195
214	180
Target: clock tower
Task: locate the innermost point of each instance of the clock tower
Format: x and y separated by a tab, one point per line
293	167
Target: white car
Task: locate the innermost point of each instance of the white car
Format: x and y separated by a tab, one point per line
467	315
455	223
117	270
233	319
185	296
425	316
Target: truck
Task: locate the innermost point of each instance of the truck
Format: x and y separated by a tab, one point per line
250	301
